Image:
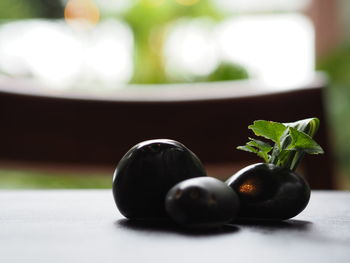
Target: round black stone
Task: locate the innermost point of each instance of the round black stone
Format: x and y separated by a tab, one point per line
267	191
146	173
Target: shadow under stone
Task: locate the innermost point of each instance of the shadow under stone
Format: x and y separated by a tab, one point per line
167	226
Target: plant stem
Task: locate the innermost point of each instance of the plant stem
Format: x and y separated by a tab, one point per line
296	160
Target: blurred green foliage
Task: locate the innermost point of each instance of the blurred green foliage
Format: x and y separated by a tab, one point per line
337	66
10	179
228	71
22	9
225	71
149	22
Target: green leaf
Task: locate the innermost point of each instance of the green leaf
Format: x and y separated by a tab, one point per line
247	148
262	146
264	155
308	126
302	141
269	129
258	147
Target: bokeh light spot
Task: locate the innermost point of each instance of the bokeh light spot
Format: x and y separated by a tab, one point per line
82	10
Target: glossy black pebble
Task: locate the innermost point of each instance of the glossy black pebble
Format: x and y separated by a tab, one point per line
146	173
202	202
269	192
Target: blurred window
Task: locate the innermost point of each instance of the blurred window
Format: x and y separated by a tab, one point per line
106	43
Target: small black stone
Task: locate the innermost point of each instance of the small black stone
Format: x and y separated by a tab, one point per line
202	203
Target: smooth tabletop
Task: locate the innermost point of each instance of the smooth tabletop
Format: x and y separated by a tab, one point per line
85	226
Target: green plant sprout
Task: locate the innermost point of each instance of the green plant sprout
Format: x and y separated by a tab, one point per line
291	141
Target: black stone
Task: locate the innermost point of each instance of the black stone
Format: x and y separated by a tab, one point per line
201	203
146	173
267	191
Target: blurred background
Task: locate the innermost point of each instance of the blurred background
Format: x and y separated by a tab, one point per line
106	45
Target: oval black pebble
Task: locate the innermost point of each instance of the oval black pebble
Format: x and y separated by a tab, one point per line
267	192
146	173
202	202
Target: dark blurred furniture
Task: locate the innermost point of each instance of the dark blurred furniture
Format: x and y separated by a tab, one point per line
88	128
